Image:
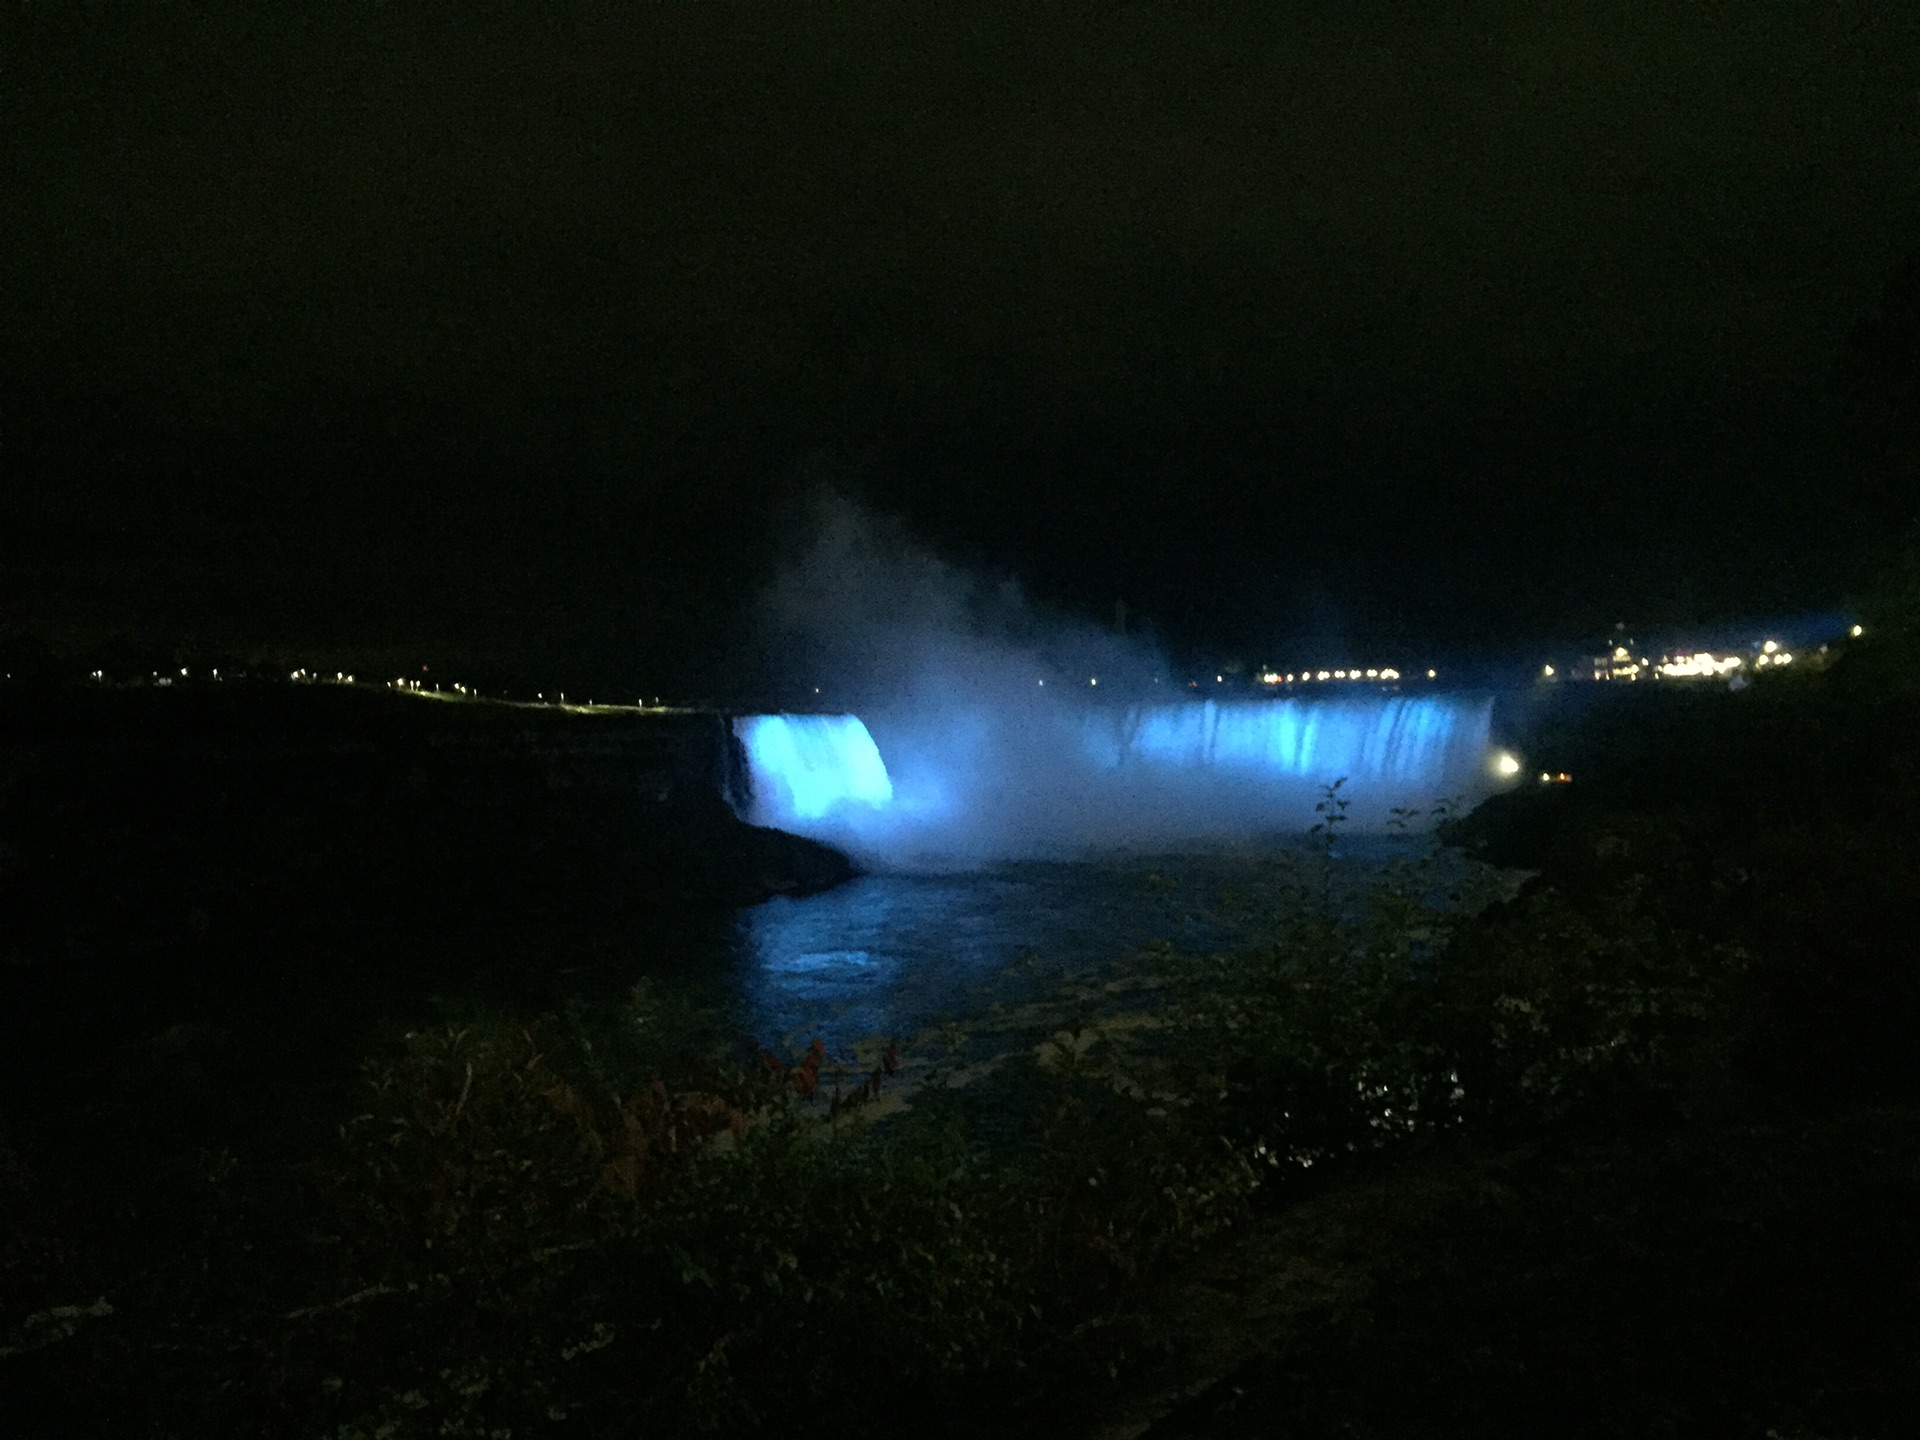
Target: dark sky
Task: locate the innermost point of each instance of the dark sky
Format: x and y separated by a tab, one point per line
507	334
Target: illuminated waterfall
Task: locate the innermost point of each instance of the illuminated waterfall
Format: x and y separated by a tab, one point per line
971	781
1393	741
806	768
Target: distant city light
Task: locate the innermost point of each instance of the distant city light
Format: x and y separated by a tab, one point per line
1769	647
1703	663
1431	674
1857	631
1506	764
1350	673
1547	670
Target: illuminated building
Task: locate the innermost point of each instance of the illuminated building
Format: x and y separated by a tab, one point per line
1620	664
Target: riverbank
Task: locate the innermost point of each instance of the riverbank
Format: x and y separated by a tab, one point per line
1630	1151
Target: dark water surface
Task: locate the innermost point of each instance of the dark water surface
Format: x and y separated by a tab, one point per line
251	1033
894	954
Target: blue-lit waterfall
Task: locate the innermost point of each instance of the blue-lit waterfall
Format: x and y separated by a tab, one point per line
1388	741
969	782
806	768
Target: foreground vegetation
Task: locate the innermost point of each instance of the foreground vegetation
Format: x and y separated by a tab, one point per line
1632	1151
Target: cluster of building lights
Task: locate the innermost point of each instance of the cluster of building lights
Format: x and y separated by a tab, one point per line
1622	664
1309	677
1704	663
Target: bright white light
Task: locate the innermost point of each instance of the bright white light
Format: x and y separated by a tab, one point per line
1620	653
1506	764
1547	670
1389	674
1857	631
1701	663
1093	680
1431	674
1339	674
1373	674
1769	647
1322	675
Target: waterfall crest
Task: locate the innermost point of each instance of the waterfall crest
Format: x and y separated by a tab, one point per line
968	783
806	768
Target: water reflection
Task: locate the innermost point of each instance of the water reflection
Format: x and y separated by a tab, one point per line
888	955
891	955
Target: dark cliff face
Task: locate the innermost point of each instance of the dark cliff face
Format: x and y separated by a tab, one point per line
127	817
285	871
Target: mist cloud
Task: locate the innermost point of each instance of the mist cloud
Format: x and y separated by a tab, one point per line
1009	731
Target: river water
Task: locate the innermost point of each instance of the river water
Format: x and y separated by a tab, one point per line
891	955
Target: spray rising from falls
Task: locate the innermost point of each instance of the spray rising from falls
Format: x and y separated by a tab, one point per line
969	783
977	726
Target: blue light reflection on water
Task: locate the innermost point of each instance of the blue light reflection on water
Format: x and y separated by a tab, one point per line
889	955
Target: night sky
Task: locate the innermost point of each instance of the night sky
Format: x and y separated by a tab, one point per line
511	337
